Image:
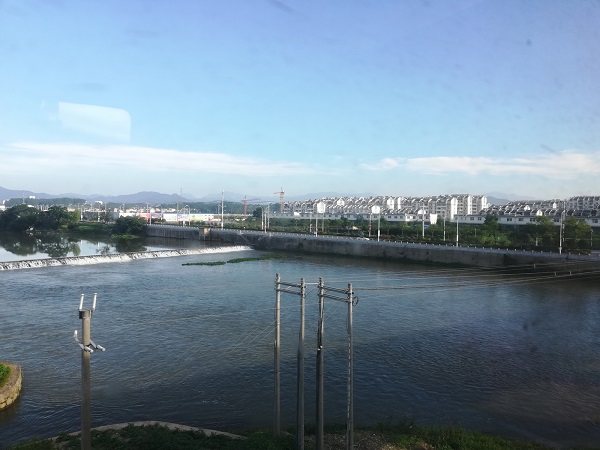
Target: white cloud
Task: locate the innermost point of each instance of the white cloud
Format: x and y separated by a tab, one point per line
566	164
23	156
111	123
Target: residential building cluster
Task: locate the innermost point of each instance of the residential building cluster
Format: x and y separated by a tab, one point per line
461	208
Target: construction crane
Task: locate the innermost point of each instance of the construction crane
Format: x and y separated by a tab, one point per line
280	199
246	201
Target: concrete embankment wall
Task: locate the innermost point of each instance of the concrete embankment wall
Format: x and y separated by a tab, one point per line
11	390
176	232
410	252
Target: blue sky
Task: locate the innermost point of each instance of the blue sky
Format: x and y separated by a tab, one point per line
388	97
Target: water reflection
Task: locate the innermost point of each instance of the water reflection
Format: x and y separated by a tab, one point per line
129	245
56	246
18	244
25	246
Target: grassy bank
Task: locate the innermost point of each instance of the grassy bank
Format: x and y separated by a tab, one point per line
4	374
389	437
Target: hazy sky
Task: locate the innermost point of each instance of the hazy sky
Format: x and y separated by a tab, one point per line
400	97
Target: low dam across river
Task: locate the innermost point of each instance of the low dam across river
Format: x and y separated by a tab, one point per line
114	257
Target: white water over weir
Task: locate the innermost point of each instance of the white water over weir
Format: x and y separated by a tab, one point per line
116	257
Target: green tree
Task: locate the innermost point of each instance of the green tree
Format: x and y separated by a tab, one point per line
545	232
258	212
491	230
54	218
19	218
576	234
129	225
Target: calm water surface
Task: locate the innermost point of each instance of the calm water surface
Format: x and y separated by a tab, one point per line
193	345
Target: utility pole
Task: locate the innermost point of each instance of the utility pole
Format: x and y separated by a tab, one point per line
300	359
277	358
351	300
350	424
320	382
87	348
222	207
300	376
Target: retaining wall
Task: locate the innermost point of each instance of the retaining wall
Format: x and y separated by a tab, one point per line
411	252
12	388
176	232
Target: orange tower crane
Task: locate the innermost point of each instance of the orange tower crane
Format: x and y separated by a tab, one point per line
246	201
280	199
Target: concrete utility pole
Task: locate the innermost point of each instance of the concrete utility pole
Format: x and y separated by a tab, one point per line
350	424
87	348
300	360
351	300
277	358
300	375
320	381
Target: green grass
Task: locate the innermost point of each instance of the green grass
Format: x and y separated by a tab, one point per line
211	263
402	436
4	374
236	260
156	437
408	435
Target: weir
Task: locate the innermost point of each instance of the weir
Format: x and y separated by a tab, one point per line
116	257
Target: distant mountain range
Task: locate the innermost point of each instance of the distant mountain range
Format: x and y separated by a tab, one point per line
158	198
501	198
140	197
495	198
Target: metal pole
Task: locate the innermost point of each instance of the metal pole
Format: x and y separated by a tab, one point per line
423	221
350	424
86	437
300	388
560	236
457	230
277	349
320	384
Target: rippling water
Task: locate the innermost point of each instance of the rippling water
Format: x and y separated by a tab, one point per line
193	345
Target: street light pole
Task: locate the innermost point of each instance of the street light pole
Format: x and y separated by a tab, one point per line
560	233
457	230
423	220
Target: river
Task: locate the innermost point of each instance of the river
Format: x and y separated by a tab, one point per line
506	354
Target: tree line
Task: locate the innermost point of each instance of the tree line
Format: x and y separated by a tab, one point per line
26	219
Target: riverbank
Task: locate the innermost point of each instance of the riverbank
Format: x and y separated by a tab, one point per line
407	252
403	436
10	385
